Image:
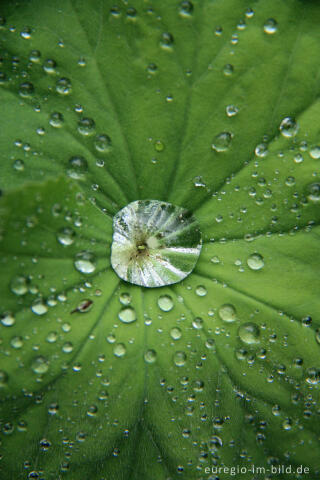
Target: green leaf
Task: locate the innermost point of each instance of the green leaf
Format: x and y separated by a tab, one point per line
213	107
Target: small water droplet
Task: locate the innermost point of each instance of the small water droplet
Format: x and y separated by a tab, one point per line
166	41
231	110
66	236
86	126
40	365
16	342
102	143
222	142
56	120
127	315
186	8
159	146
314	192
77	167
201	291
26	33
179	359
39	307
165	303
63	86
175	333
49	66
227	313
26	89
228	70
150	356
288	127
313	376
19	285
249	333
8	319
255	261
85	262
125	298
119	350
315	152
270	26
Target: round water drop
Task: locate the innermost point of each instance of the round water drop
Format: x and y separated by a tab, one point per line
119	350
35	56
222	142
18	165
127	315
186	8
180	359
19	285
85	262
197	323
175	333
86	126
227	313
26	33
49	66
16	342
167	40
63	86
314	192
3	378
154	243
26	89
270	26
228	70
165	303
255	261
66	236
249	333
288	127
67	347
40	365
102	143
8	319
159	146
52	337
39	307
231	110
201	291
150	356
313	376
77	167
315	152
125	298
56	120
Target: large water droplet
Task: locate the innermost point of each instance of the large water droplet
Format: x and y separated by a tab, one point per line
270	26
66	236
8	319
77	167
154	243
19	285
314	192
40	365
165	303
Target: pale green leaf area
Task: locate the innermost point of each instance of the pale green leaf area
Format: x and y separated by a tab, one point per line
108	102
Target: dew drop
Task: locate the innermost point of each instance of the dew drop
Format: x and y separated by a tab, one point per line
179	359
102	143
313	376
127	315
227	313
66	236
125	298
175	333
49	66
166	41
16	342
249	333
40	365
197	323
186	9
159	146
288	127
150	356
8	319
86	126
19	285
314	192
56	120
255	261
315	152
26	89
85	262
270	26
63	86
154	243
222	142
228	70
201	291
231	110
39	307
165	303
119	350
77	167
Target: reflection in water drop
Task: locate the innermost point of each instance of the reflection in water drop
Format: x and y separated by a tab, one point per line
85	262
249	333
255	261
227	313
154	243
